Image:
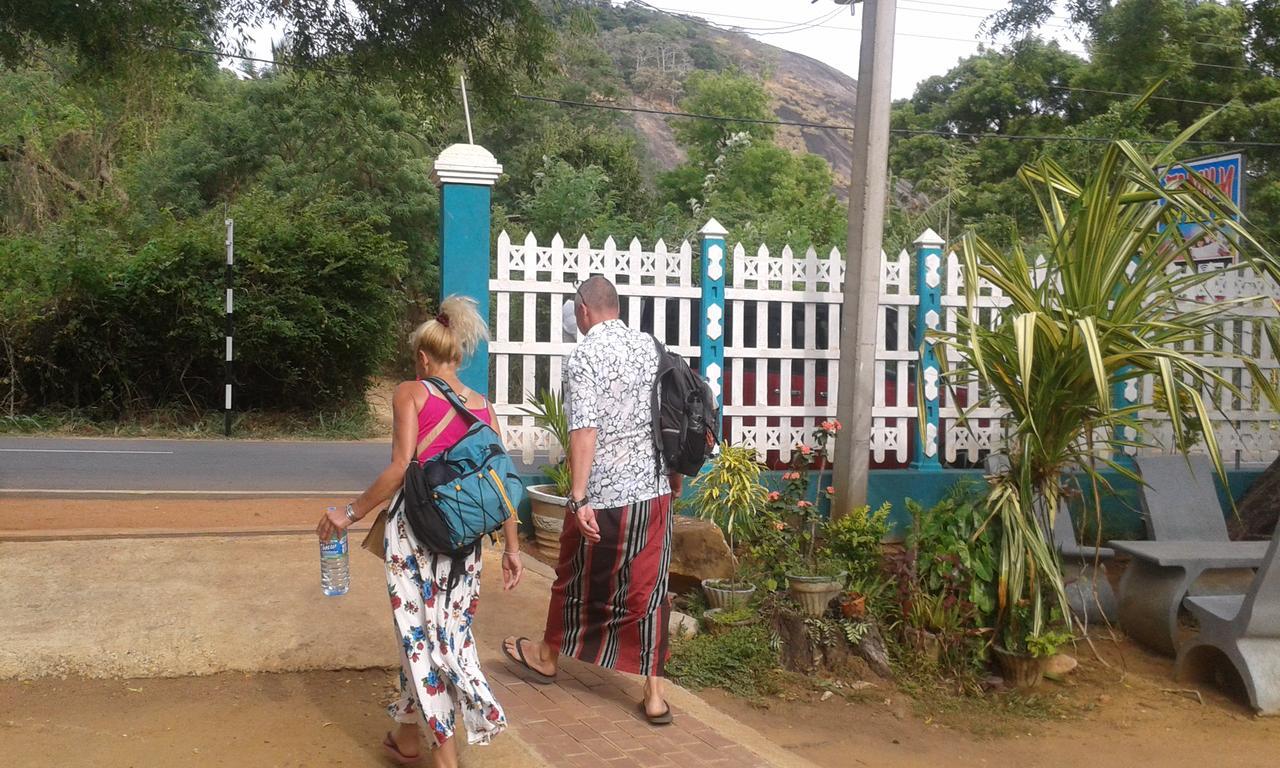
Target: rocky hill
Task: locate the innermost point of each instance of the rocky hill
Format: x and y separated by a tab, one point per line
655	51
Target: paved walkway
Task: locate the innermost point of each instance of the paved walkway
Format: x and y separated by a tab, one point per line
172	606
589	717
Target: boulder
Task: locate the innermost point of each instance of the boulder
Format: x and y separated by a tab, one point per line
682	625
698	551
1059	665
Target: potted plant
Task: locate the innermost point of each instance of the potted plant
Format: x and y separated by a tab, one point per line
721	620
730	495
814	577
548	500
1105	309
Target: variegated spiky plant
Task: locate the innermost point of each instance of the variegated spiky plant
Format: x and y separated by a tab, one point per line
1107	305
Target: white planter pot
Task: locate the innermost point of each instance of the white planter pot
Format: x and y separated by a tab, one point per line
548	518
814	593
722	597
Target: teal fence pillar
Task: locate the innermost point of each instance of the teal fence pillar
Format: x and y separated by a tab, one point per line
466	173
711	353
1123	395
928	373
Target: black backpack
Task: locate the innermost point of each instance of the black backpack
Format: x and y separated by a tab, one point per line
685	419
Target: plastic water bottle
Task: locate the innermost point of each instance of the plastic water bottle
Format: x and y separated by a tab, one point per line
335	572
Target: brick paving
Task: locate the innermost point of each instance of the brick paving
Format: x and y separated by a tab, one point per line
588	718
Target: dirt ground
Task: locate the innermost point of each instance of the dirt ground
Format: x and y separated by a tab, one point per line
1130	713
246	721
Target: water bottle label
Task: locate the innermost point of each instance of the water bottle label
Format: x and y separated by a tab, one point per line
334	547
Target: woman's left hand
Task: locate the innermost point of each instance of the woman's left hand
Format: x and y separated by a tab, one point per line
512	569
333	522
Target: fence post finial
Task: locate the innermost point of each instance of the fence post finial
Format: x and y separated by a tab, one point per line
711	326
928	317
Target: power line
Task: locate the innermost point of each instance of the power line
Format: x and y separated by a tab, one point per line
760	121
899	131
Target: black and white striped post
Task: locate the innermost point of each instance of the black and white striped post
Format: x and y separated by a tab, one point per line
226	417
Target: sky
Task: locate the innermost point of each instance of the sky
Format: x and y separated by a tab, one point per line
931	36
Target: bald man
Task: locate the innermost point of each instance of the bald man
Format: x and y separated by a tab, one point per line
609	603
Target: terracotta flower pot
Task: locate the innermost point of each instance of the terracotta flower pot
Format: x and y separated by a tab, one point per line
548	518
1020	670
853	606
721	595
814	593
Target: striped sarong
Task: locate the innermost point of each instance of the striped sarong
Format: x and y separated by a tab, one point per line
609	602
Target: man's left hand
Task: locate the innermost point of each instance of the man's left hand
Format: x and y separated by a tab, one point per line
587	523
677	483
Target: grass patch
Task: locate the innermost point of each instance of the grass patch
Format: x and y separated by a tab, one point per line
354	422
742	660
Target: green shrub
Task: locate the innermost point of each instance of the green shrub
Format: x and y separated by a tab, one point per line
98	323
740	660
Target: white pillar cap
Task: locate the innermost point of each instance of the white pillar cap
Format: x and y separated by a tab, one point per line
714	228
466	164
930	239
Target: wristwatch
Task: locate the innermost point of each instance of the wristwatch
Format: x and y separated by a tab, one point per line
575	504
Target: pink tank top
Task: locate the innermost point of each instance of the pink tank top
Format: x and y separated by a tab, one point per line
433	412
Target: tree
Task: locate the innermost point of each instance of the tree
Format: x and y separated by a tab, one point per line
418	43
727	94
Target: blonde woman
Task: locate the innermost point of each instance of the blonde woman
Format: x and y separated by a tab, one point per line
439	667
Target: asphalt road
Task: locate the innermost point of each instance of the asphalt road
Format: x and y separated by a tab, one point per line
29	464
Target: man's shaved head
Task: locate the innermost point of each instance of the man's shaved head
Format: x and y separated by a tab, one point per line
598	295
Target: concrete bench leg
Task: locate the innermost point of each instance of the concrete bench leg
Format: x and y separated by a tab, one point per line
1150	596
1089	593
1256	661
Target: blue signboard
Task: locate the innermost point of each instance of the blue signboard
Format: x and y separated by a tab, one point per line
1226	172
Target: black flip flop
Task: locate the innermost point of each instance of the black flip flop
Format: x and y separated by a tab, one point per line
532	673
661	719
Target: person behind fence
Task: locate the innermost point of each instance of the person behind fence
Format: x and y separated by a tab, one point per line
439	667
609	603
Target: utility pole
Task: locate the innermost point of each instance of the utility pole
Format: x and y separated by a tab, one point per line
229	357
868	187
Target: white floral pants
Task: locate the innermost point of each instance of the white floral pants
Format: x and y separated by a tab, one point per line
439	667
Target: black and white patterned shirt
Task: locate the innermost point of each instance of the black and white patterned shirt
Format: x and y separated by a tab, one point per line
608	383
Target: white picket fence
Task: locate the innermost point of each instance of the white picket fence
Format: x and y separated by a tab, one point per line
532	284
783	342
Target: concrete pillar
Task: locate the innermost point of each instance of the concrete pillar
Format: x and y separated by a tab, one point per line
928	373
466	174
711	327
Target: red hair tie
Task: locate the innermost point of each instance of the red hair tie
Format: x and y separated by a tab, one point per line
443	319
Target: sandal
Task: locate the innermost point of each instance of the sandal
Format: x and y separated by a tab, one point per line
532	673
664	718
393	752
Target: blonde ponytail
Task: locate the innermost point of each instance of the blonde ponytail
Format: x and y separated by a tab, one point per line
455	332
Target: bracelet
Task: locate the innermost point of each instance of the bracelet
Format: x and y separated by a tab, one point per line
351	513
510	552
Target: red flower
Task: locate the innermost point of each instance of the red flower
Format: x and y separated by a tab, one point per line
804	449
804	504
395	602
831	490
774	496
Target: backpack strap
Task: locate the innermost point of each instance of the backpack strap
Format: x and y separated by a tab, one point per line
454	400
435	432
655	408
